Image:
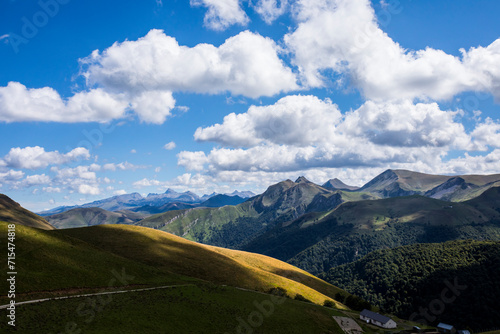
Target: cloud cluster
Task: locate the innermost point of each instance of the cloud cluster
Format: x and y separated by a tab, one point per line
344	36
293	120
114	167
334	43
36	157
306	120
300	132
339	36
21	104
141	77
246	64
303	135
59	177
11	175
487	134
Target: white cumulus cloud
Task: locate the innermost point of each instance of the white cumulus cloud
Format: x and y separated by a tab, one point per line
487	134
245	64
192	160
36	157
153	106
293	120
344	36
146	183
222	14
169	146
120	166
11	175
86	189
270	10
20	104
304	132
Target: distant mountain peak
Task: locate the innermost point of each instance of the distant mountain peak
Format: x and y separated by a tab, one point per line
243	194
336	184
392	172
302	179
129	196
171	191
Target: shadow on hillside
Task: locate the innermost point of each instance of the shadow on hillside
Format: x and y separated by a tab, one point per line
175	254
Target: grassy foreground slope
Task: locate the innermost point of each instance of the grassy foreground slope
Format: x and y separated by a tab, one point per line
12	212
218	265
457	279
51	264
200	309
77	260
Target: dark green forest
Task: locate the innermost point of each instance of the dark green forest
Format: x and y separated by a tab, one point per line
456	282
343	245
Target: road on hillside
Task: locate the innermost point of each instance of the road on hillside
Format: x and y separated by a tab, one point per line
94	294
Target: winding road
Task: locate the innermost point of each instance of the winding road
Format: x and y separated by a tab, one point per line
93	294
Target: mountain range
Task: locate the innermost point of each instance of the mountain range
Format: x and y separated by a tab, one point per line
135	201
323	229
393	183
305	207
305	223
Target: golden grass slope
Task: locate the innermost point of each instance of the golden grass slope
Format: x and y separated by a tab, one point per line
218	265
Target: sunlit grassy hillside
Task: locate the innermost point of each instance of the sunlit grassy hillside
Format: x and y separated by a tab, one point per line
168	252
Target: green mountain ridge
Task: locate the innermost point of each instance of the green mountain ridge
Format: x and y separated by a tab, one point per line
234	226
282	202
80	217
319	241
289	222
356	228
13	212
286	201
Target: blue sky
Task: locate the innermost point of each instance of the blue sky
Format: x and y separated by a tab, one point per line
99	98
